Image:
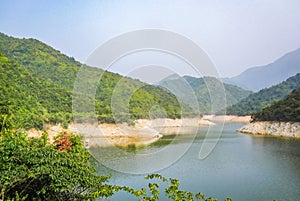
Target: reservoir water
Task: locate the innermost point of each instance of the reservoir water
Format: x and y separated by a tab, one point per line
243	167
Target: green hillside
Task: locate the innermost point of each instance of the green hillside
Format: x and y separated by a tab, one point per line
40	59
287	109
199	85
28	100
37	86
265	97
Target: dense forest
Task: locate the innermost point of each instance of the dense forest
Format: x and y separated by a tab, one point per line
30	101
206	87
265	97
37	87
287	109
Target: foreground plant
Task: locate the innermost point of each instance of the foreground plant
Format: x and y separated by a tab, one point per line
32	169
172	191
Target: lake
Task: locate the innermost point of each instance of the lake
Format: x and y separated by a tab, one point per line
243	167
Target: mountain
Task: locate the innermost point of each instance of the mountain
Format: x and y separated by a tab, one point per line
287	109
37	84
29	100
41	60
168	78
265	97
205	94
260	77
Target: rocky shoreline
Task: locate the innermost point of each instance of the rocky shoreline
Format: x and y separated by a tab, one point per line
227	118
281	129
144	131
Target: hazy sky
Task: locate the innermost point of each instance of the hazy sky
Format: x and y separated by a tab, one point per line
235	34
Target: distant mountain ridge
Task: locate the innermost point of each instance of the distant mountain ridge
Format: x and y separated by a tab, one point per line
265	97
260	77
233	94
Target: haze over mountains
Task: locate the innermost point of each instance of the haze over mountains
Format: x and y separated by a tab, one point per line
209	92
271	83
260	77
265	97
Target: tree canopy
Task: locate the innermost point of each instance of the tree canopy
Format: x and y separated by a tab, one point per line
287	109
204	88
37	84
265	97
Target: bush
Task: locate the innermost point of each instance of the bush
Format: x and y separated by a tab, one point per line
32	169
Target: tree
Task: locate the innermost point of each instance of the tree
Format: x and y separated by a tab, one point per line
33	169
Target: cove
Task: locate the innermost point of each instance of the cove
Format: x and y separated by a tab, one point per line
243	167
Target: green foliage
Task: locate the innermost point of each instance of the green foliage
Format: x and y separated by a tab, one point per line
172	191
29	101
287	109
203	93
36	87
41	60
32	169
265	97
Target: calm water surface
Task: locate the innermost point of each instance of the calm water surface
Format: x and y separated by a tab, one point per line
243	167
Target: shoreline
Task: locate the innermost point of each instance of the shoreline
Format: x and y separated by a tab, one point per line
228	118
272	128
142	133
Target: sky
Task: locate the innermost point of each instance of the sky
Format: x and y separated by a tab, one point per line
234	34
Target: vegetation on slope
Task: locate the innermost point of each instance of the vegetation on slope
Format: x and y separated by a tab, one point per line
41	60
203	93
37	87
29	101
265	97
287	109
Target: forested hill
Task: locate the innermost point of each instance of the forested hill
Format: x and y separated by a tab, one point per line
28	100
41	60
287	109
37	86
200	86
265	97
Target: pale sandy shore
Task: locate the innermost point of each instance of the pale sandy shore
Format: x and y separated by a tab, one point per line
144	131
227	118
